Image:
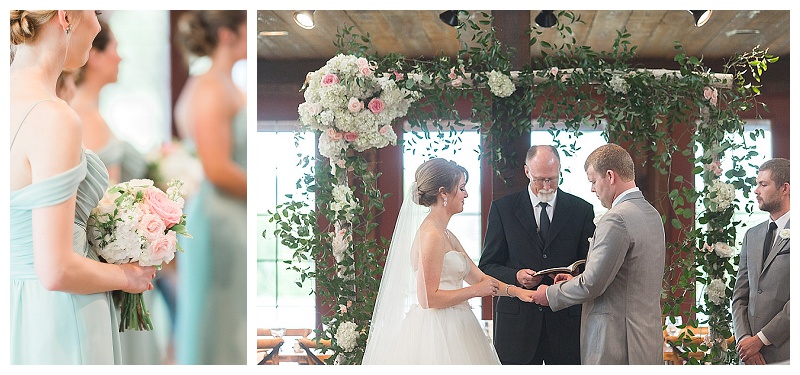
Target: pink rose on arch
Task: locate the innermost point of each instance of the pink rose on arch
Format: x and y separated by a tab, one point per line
330	79
355	105
350	136
151	226
376	105
452	74
710	94
366	71
160	204
457	82
384	129
162	249
362	62
333	134
553	71
398	76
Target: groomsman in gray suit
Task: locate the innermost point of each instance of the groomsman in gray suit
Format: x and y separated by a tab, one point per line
761	293
620	289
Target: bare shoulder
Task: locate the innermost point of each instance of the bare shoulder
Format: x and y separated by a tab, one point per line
53	138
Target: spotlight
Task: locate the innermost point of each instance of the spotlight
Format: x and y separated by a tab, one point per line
701	16
450	17
304	18
546	18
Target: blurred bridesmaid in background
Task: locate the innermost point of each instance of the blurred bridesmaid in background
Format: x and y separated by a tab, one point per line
210	113
123	161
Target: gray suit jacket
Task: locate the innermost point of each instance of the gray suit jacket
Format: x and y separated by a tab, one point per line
761	293
621	287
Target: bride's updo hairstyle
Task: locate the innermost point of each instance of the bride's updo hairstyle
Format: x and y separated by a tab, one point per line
197	29
434	174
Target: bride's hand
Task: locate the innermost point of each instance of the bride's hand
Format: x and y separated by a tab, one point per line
525	295
487	287
139	278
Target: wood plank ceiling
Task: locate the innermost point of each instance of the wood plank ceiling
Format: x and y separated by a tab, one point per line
420	34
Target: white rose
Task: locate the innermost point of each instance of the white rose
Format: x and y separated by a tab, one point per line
784	233
723	250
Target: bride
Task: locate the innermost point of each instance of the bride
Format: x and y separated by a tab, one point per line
421	315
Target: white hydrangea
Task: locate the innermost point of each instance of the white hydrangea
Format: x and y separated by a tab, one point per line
500	84
342	200
721	195
348	79
723	250
346	336
619	84
716	291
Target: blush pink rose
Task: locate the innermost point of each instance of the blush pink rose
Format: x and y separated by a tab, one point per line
330	79
162	249
362	62
350	136
333	134
710	94
398	76
384	129
151	226
452	74
366	71
355	105
160	204
376	105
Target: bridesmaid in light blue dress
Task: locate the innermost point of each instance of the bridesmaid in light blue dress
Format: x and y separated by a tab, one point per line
60	301
211	319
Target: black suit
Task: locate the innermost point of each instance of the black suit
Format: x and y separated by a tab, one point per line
512	243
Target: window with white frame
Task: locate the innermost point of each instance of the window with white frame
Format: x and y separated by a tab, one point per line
280	302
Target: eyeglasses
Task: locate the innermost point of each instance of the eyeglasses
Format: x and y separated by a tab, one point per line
542	181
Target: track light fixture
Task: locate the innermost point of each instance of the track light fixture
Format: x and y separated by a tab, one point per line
450	17
701	16
546	18
304	18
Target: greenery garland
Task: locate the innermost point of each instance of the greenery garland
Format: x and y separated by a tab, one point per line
572	86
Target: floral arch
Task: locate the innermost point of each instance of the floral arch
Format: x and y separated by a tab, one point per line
353	101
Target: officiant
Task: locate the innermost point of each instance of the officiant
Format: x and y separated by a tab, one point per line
538	228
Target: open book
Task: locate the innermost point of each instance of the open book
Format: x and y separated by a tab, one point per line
571	269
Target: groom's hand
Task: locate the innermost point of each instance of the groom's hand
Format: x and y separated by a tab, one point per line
540	295
528	278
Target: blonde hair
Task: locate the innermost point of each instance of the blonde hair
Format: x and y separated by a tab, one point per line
611	157
25	24
197	29
435	174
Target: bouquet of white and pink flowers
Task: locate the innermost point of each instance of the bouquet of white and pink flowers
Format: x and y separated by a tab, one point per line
138	222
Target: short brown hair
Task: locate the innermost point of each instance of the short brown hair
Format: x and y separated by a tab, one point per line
434	174
611	157
779	170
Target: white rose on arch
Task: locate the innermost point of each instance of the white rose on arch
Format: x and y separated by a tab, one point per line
723	250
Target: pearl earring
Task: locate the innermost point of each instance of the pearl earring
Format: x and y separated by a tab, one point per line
445	201
69	27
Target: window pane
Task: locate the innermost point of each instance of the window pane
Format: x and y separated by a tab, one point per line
280	302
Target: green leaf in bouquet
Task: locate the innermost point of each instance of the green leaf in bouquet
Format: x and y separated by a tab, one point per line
180	229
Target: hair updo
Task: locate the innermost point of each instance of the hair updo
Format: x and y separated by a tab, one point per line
434	174
197	29
26	23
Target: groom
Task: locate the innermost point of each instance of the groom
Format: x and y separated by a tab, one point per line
522	236
621	287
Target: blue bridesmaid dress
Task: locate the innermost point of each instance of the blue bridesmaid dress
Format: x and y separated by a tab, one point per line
51	327
211	318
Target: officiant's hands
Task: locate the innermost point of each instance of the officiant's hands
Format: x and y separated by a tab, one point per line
561	277
540	295
528	278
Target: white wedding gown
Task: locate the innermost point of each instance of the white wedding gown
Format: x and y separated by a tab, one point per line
449	336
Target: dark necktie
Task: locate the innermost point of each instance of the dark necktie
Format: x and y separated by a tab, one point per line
769	239
544	221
